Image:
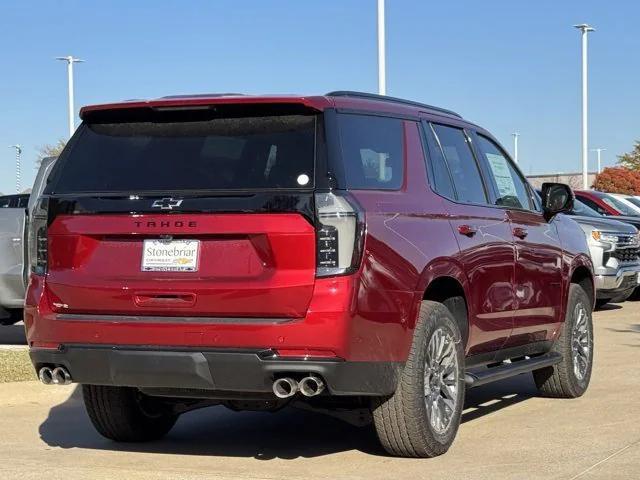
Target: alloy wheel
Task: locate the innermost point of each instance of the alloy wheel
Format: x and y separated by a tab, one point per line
580	342
441	380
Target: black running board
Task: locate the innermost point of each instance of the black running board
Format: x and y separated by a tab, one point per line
482	376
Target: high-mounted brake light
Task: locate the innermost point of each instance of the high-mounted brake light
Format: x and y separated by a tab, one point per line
38	242
339	236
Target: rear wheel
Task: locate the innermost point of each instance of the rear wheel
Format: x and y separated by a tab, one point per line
570	378
421	418
124	414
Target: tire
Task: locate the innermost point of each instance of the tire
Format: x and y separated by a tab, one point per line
601	302
123	414
11	316
402	422
562	380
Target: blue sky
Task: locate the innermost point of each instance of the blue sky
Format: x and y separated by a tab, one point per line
504	64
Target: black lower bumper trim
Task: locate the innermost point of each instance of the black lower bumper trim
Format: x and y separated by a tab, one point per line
216	370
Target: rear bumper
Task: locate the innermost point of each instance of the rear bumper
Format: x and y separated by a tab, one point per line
214	370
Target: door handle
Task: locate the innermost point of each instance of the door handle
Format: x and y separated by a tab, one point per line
467	230
520	232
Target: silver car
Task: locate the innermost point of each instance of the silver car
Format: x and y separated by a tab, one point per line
14	225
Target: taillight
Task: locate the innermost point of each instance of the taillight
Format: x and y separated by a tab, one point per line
38	247
339	235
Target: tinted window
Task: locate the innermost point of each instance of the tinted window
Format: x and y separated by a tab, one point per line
462	165
620	206
439	172
5	202
580	208
218	153
512	189
372	151
590	203
23	201
634	200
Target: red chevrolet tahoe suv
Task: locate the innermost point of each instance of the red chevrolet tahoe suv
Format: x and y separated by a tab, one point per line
366	256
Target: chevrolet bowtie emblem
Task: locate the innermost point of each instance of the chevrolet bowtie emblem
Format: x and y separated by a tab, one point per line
166	203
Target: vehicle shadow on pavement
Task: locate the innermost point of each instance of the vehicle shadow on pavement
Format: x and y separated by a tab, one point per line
218	431
287	434
496	396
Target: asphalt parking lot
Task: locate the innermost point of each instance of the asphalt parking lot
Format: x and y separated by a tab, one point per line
507	433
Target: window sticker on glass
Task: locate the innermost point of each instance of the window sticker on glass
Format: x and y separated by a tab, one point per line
504	180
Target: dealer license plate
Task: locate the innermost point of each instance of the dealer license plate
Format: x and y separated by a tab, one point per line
170	255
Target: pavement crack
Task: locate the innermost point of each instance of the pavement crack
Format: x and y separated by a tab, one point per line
614	454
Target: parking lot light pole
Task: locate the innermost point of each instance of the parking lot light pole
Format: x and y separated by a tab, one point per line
515	136
585	29
70	61
18	149
382	74
598	152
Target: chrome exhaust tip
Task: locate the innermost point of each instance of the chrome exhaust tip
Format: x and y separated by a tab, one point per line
311	386
285	387
60	376
45	374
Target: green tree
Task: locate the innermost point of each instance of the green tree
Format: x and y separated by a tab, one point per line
631	160
50	150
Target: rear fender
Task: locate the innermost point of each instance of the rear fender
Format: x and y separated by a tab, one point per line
438	268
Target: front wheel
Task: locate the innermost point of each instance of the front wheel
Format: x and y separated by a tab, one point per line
422	417
570	378
124	414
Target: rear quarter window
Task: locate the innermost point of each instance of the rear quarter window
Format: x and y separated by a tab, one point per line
372	150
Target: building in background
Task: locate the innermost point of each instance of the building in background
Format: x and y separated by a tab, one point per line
574	180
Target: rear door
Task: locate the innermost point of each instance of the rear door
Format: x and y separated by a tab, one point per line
484	237
538	266
186	214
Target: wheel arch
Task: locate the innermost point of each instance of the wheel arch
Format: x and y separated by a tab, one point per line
582	274
445	282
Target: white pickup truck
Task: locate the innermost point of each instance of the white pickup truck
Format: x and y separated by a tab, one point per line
14	225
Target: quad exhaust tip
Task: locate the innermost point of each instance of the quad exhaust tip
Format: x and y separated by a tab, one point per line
285	387
311	386
46	375
55	376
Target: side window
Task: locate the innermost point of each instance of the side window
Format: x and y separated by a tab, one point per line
590	203
462	165
372	151
23	201
4	202
511	187
440	178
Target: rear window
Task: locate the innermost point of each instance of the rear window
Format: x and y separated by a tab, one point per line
241	153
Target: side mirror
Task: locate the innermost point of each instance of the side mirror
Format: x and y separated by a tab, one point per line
556	198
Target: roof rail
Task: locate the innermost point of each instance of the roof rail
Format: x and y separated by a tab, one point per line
384	98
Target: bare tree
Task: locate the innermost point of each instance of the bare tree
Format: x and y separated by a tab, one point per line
50	150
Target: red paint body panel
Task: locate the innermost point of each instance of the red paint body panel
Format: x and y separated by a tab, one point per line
539	284
250	265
